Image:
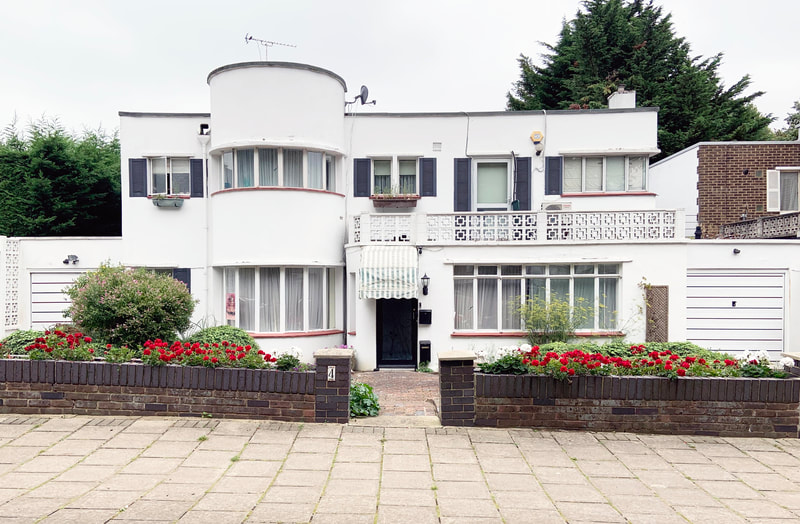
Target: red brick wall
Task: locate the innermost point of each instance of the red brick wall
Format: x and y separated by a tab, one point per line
725	192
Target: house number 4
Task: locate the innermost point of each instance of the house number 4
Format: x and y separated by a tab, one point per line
331	373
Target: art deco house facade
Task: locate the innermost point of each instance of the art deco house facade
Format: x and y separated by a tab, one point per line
310	223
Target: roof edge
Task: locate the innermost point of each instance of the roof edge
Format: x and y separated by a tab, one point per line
284	65
141	114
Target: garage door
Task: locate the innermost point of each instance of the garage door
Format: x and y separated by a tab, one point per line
736	311
48	300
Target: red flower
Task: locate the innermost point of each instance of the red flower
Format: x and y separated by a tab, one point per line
87	339
563	369
146	352
681	372
570	371
214	360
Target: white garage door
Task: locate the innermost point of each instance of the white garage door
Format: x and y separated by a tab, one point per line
736	311
48	300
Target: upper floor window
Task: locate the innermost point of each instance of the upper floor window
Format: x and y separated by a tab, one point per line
491	184
170	176
278	167
783	191
389	178
598	174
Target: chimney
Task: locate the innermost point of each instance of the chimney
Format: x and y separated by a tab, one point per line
622	99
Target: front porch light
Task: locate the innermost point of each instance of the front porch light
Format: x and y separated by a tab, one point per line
425	281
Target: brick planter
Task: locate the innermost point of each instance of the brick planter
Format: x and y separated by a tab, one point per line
745	407
100	388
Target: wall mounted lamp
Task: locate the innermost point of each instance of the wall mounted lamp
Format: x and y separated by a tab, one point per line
425	281
71	259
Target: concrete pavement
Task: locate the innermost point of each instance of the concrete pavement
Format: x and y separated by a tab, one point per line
101	469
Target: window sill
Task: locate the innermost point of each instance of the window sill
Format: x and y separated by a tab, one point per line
609	193
508	334
297	334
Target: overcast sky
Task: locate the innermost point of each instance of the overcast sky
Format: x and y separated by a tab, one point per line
83	61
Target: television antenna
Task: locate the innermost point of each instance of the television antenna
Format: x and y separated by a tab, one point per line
266	43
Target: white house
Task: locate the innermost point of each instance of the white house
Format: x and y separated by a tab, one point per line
309	224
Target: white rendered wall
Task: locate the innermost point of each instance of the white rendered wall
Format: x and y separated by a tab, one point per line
674	180
277	105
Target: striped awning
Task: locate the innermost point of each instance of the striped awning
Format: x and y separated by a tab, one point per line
388	272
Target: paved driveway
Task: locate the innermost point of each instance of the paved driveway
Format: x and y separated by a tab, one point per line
100	469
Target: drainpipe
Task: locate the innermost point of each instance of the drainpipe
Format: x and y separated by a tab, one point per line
204	138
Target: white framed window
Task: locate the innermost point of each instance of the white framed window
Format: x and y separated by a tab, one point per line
492	184
783	190
488	297
278	167
170	176
394	176
280	299
604	174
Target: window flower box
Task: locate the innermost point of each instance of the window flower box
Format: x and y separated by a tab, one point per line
395	200
167	201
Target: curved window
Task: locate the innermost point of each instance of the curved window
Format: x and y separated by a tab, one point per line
280	299
278	167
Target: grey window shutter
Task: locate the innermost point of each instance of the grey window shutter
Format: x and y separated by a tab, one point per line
183	274
196	170
427	169
552	175
362	169
462	200
523	183
137	175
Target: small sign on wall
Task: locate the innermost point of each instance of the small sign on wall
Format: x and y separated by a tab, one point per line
331	373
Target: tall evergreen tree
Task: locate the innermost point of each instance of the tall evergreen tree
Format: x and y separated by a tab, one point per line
55	184
630	42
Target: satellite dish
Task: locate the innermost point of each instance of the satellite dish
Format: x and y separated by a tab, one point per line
364	95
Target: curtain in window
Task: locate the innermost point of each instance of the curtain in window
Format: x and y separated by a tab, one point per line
615	173
294	299
244	164
536	289
637	167
583	301
572	175
607	311
316	298
270	293
594	174
227	169
492	183
247	298
331	278
789	191
330	173
559	289
293	168
511	303
487	303
159	176
408	176
181	177
463	295
315	169
383	177
230	296
267	167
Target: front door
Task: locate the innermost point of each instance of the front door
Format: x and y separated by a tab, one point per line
397	332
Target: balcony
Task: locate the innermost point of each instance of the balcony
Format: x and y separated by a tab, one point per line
779	226
543	227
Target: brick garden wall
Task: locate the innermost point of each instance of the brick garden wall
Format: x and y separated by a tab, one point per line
100	388
725	191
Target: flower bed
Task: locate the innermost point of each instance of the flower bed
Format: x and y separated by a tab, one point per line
617	396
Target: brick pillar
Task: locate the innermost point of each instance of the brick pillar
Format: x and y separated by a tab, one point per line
457	388
332	401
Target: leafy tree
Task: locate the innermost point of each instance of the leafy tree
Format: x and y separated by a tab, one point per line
793	124
55	184
630	42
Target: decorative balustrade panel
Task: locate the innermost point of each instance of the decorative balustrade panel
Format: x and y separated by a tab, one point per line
391	228
610	225
780	226
482	227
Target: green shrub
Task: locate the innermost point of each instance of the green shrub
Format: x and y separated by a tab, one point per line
16	342
287	362
129	306
363	401
553	321
219	334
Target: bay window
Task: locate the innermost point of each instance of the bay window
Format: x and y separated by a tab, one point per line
280	299
276	167
488	297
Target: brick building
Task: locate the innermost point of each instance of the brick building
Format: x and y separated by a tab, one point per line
720	183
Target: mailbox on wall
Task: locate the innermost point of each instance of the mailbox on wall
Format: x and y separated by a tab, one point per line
425	317
424	350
